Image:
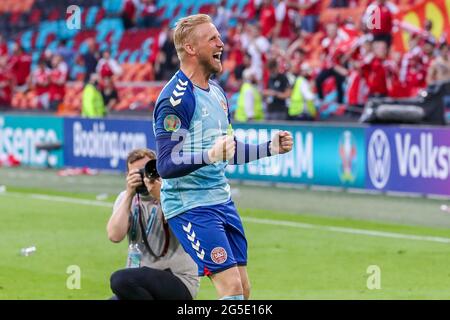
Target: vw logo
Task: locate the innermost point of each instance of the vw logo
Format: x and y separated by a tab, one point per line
379	159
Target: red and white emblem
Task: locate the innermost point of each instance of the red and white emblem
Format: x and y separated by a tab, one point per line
219	255
224	106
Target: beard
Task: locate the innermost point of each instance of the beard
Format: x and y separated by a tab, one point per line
209	64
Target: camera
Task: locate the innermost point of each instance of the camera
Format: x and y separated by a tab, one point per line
149	171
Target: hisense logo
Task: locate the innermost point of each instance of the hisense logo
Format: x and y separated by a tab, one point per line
21	142
424	159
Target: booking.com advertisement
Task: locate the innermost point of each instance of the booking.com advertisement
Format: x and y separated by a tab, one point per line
332	156
20	135
104	144
413	160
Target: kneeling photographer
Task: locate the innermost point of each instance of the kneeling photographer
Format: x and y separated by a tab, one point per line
158	268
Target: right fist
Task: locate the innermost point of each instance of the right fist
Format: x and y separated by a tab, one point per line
134	180
223	149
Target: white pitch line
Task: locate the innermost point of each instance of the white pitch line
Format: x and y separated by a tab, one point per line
71	200
372	233
292	224
60	199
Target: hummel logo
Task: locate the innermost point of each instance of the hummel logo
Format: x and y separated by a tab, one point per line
191	237
188	228
177	94
195	244
175	102
179	91
201	255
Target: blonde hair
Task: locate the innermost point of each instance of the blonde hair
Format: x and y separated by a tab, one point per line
184	29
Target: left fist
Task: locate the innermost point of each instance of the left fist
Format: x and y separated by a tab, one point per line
282	142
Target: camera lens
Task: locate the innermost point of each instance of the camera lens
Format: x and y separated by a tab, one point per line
150	170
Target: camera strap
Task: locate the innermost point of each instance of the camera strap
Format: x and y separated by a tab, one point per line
144	234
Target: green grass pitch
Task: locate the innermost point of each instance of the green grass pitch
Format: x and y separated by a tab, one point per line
296	255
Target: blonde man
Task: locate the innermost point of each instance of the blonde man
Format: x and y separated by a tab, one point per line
195	143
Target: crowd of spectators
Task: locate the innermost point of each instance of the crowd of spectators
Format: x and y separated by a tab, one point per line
140	13
49	77
271	62
271	46
268	57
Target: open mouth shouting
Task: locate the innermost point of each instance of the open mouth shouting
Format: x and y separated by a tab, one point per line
217	56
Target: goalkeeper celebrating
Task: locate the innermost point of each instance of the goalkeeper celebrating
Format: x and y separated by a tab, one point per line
195	143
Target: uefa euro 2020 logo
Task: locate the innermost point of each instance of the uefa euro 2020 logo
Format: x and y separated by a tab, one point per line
347	154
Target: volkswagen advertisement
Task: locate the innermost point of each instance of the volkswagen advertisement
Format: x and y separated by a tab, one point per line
414	160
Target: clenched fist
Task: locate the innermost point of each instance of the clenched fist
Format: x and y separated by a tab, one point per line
282	142
223	149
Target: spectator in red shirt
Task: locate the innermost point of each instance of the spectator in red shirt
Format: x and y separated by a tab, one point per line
332	66
129	13
415	63
396	87
379	20
258	46
149	14
6	85
310	11
267	20
107	66
284	25
249	11
375	70
20	64
58	78
425	59
3	47
40	83
357	90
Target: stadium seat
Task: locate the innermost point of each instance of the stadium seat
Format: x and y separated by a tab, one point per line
91	15
112	6
15	5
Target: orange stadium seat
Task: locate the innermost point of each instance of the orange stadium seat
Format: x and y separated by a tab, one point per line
72	100
15	5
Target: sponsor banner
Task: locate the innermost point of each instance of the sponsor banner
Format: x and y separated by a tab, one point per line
104	144
333	156
19	136
415	160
